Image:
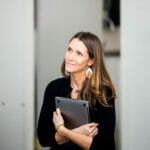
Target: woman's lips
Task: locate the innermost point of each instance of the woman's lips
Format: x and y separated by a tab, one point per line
69	64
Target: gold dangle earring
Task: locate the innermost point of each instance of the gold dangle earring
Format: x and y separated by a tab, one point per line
89	73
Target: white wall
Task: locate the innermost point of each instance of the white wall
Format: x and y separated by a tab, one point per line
58	21
135	75
16	74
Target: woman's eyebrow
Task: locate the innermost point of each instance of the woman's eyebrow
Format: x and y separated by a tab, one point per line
70	47
76	49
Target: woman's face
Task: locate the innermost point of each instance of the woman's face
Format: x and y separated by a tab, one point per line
76	58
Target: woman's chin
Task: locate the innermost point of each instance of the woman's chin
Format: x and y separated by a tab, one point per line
69	70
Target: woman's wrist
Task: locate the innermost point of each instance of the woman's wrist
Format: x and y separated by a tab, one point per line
60	139
58	126
62	131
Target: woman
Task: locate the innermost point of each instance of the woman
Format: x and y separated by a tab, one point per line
85	77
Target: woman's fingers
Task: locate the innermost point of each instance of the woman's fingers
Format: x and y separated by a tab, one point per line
93	124
95	132
54	114
58	111
57	117
92	129
88	128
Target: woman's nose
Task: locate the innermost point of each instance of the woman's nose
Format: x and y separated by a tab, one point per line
71	56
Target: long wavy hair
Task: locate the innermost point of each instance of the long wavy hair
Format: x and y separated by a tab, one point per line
94	89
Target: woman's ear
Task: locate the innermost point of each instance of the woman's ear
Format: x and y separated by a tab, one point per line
91	62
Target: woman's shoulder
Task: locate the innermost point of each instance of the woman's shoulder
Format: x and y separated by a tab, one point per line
57	82
58	87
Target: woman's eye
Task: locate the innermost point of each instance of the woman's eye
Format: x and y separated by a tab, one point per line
69	50
79	54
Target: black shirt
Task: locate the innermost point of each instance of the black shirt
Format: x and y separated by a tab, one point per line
105	116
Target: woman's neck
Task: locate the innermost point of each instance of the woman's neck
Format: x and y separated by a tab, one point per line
76	81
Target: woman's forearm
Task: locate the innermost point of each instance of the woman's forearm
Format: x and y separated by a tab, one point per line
80	139
61	139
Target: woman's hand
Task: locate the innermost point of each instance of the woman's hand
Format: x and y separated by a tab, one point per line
89	129
58	119
58	122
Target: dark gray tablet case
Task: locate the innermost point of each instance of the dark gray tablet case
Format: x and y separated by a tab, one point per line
75	112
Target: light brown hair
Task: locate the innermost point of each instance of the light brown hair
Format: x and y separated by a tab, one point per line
94	89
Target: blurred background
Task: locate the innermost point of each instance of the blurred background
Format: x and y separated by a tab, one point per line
34	35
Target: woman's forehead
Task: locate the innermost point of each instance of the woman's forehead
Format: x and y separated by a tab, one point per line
76	44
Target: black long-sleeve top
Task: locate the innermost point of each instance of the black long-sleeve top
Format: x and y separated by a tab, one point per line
105	116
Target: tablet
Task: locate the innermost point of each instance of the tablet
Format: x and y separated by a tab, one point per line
75	112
